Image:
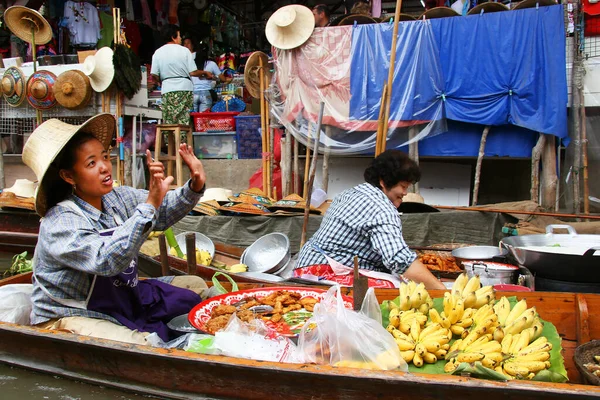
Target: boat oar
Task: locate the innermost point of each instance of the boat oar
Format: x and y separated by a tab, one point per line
173	242
190	250
359	287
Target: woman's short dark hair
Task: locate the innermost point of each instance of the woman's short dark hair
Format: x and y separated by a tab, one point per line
392	167
322	8
169	32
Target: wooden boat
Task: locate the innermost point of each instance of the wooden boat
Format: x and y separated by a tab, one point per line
181	375
18	231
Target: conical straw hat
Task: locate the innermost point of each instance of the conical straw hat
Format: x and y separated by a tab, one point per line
40	90
487	7
100	69
73	90
290	26
21	20
22	188
13	86
252	72
47	141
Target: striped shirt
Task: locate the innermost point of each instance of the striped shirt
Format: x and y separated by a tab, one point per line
361	221
70	250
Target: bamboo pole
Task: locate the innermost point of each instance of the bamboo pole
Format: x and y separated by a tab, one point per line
306	166
296	169
584	157
263	128
313	171
518	212
326	169
390	79
549	175
287	188
413	152
486	130
536	155
380	136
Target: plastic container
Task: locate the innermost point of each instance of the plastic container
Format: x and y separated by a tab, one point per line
214	122
249	140
215	145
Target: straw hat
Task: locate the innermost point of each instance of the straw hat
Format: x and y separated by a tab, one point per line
534	3
100	69
290	26
252	72
414	203
47	141
439	12
40	90
217	194
72	89
13	86
22	188
403	17
21	20
293	203
487	7
360	19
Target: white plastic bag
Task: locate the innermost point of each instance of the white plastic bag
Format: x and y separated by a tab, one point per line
15	303
341	337
370	306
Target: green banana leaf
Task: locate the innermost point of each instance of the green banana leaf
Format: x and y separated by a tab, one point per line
556	373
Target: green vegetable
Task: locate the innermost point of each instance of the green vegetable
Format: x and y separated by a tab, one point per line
20	265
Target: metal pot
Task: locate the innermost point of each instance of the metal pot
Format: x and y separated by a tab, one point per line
491	273
481	253
562	257
269	254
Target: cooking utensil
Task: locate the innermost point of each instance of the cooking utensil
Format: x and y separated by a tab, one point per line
479	253
182	324
268	254
491	273
263	276
562	257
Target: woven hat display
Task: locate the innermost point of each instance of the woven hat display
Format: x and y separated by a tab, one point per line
252	196
403	18
210	207
487	7
219	195
439	12
244	208
100	69
73	90
40	90
360	19
11	200
13	86
22	188
293	202
252	72
26	24
290	26
47	141
534	3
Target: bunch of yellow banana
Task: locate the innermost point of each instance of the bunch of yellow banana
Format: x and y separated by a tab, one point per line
485	322
413	296
454	317
524	359
425	345
470	290
517	320
483	349
402	319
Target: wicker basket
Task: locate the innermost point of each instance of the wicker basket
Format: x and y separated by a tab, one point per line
585	354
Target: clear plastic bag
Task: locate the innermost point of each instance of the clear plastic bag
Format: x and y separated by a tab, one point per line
15	303
341	337
370	306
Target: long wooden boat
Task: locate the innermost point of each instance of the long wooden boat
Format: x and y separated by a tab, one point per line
181	375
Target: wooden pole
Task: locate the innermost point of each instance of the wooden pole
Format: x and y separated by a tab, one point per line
503	211
164	256
306	168
296	169
287	188
380	136
326	169
313	171
536	155
390	79
190	253
549	175
584	158
263	125
413	152
486	130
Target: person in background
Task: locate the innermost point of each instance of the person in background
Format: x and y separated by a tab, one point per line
173	66
361	7
364	221
322	15
210	73
85	277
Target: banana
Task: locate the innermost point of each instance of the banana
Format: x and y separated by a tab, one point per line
515	370
472	285
502	309
407	355
457	330
429	358
470	300
498	334
415	330
404	345
459	285
417	360
451	365
516	311
538	356
535	330
520	341
506	343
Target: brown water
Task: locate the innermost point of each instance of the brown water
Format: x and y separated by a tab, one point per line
18	384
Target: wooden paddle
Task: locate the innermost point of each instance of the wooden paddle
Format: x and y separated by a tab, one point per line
359	287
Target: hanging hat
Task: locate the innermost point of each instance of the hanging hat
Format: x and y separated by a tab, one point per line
40	90
360	19
290	26
100	69
252	72
534	3
47	141
72	89
26	23
13	86
22	188
487	7
439	12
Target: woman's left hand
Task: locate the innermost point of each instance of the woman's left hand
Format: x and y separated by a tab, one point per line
196	168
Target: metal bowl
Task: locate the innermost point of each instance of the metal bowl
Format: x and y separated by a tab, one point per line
268	254
478	253
203	242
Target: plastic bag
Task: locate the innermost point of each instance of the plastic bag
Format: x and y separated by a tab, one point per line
341	337
218	289
370	306
15	303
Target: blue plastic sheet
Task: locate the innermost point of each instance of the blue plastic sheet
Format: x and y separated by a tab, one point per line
492	69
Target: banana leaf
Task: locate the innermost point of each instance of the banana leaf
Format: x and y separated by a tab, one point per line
556	373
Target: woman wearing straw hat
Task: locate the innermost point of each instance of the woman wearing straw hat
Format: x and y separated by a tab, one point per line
363	221
85	263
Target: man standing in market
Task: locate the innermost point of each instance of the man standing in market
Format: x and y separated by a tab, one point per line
322	15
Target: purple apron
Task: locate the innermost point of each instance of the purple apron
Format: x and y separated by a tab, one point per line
143	305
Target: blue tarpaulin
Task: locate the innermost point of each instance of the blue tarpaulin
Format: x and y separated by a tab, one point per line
491	69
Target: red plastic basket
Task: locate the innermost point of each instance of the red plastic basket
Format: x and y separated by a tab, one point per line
214	122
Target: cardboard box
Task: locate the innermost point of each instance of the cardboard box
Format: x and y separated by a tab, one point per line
82	55
13	62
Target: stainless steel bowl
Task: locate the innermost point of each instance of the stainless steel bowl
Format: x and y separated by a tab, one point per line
268	254
203	242
478	253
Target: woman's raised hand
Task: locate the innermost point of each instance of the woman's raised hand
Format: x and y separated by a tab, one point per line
159	185
196	169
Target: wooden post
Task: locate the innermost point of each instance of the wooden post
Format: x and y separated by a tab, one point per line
263	128
326	169
413	152
306	168
486	130
549	175
584	158
296	169
190	253
164	256
381	136
287	176
313	171
536	154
